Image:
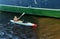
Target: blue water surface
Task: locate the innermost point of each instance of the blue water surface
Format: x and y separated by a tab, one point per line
31	3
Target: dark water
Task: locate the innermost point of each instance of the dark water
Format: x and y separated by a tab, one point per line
14	31
7	16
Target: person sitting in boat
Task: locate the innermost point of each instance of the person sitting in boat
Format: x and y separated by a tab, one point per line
16	18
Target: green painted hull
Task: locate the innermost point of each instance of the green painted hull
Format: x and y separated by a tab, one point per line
32	10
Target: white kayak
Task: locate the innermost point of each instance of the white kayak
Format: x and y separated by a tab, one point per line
21	23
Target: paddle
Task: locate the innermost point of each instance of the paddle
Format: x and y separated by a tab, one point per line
21	15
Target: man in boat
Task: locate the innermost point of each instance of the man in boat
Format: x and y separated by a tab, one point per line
16	19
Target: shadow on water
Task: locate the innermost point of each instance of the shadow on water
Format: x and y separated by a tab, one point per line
7	16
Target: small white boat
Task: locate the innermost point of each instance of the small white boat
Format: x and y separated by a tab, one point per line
21	23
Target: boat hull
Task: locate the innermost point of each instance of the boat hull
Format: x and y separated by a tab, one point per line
21	23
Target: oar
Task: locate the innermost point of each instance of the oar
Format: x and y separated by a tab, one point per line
21	15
